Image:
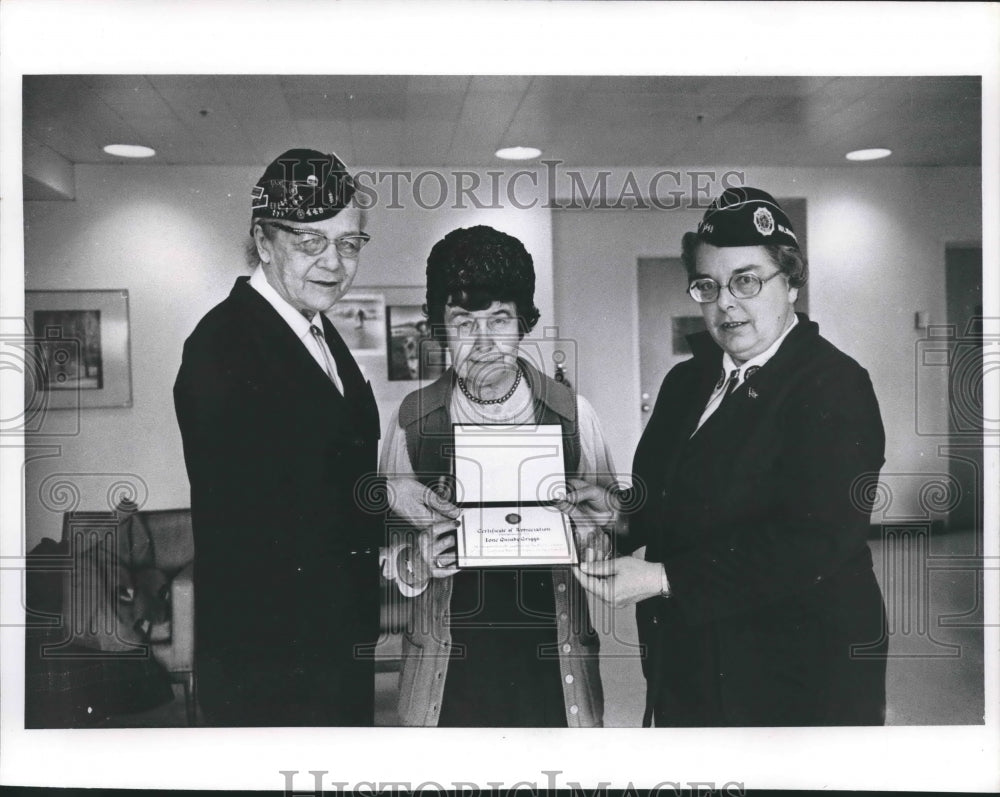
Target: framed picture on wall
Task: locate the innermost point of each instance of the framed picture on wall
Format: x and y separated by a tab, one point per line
360	319
681	327
413	353
78	344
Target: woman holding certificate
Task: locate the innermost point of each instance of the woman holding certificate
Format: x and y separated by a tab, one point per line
756	600
501	641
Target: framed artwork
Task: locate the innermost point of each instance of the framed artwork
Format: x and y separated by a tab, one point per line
360	319
413	353
682	326
80	348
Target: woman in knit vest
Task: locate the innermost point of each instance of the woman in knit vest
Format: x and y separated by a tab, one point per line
495	646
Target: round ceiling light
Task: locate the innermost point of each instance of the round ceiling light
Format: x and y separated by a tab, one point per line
868	154
518	153
129	151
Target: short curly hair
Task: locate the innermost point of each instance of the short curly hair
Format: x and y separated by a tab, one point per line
789	259
472	267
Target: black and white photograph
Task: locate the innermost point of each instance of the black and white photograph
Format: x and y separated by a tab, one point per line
360	320
78	342
413	353
260	304
76	366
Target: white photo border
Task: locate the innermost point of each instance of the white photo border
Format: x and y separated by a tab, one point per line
223	36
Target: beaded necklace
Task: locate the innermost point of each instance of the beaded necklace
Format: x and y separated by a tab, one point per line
501	400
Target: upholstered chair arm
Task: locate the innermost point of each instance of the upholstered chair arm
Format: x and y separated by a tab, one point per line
182	607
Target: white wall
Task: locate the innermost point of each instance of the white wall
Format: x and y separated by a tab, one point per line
876	239
173	236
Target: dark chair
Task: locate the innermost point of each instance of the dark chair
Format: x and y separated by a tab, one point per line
156	541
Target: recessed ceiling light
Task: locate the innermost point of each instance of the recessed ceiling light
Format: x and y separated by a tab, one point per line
868	154
518	153
129	151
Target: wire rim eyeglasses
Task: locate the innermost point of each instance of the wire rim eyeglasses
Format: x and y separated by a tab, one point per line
742	286
496	325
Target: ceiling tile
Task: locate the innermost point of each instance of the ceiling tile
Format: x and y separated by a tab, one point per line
270	137
460	119
516	84
252	97
437	84
323	134
433	105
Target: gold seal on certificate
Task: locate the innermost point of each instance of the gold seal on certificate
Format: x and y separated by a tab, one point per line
506	481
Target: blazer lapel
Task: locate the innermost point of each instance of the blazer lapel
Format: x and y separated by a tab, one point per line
358	390
347	366
285	354
278	343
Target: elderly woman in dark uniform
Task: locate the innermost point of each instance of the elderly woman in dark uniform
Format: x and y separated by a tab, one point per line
756	600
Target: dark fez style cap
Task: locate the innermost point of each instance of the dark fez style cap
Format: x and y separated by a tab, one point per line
302	185
746	217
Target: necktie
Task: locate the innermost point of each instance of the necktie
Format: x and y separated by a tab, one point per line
328	366
734	380
715	402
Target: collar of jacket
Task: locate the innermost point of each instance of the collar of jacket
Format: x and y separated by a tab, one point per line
557	397
267	323
245	294
707	352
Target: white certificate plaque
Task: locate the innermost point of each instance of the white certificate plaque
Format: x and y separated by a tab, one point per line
506	481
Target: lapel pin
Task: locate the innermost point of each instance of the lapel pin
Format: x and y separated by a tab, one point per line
752	393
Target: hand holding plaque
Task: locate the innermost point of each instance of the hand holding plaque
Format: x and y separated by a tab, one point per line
508	481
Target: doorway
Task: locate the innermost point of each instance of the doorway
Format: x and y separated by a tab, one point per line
964	306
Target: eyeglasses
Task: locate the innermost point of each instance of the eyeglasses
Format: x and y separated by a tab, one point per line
494	325
742	286
311	242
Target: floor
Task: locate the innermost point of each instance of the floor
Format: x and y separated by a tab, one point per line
934	601
934	604
933	590
171	715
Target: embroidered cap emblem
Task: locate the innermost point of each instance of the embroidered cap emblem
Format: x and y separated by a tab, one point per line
763	221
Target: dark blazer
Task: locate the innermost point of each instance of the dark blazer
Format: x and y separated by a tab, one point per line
761	520
286	561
